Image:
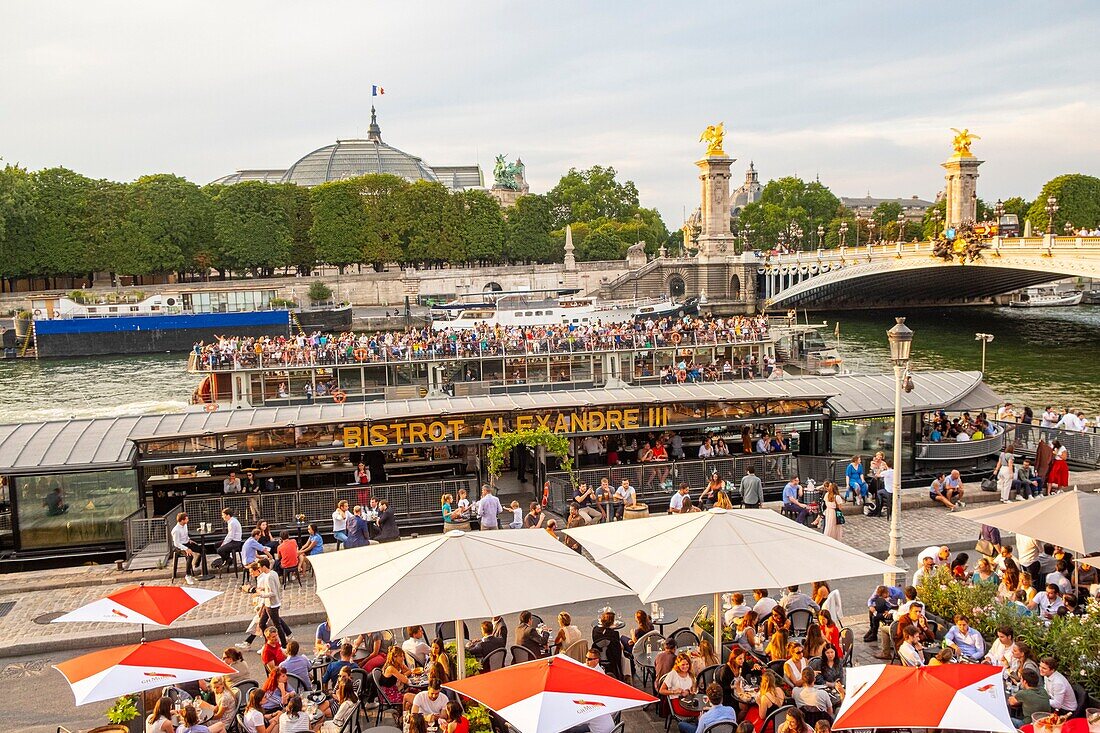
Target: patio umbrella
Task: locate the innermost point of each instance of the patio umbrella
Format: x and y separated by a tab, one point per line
153	605
108	673
711	552
954	696
550	695
453	576
1064	519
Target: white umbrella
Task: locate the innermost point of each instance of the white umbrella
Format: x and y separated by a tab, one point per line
1068	519
457	575
711	552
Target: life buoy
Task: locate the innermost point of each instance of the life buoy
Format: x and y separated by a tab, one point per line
339	396
211	406
675	338
361	354
38	311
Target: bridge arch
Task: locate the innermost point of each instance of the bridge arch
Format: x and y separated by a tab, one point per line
735	287
676	286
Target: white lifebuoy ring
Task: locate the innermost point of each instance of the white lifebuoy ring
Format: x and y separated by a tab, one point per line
38	311
211	406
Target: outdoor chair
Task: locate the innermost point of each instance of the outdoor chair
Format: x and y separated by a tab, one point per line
521	654
578	650
536	620
800	620
777	669
706	676
362	687
244	688
411	659
296	684
775	719
618	728
294	572
816	664
383	703
672	715
494	660
722	726
847	645
446	631
812	715
684	637
648	645
1082	700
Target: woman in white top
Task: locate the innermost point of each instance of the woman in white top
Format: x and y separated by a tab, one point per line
160	721
795	665
348	705
340	522
293	720
567	634
254	720
677	684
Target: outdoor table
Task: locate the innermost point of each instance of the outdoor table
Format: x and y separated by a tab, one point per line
419	681
662	621
645	660
203	708
1073	725
693	703
200	539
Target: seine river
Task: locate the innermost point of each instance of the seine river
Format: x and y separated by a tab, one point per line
1038	356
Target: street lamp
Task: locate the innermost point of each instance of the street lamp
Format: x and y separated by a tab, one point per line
936	217
820	236
1051	209
901	343
901	226
985	338
870	230
843	232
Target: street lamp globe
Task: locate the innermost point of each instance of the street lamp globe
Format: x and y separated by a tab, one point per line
901	342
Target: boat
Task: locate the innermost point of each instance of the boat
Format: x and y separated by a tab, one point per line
534	310
169	321
800	349
1047	298
453	308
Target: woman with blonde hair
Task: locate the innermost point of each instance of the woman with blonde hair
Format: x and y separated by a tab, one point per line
768	697
226	701
568	634
777	645
703	657
679	683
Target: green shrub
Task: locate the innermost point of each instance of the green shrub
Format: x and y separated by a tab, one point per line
123	711
319	292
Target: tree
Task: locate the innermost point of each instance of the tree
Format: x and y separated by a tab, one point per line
787	205
591	194
18	216
934	217
251	227
529	224
296	200
1078	199
604	243
381	197
482	229
60	242
340	226
1018	206
421	208
167	221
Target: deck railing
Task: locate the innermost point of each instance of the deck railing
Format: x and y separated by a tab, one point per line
1083	446
141	532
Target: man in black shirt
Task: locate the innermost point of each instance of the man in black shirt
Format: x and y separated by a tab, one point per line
879	612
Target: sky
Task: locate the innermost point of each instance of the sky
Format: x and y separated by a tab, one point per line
861	94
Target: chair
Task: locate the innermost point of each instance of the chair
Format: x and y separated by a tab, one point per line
244	689
536	620
521	654
1082	700
800	620
777	669
577	650
815	664
362	687
775	719
706	676
847	645
812	715
411	660
648	645
295	572
611	663
684	637
722	726
618	728
296	684
446	631
494	660
383	702
672	715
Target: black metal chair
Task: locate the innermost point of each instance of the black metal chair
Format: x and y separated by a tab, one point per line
610	661
384	703
362	686
722	726
847	645
684	636
244	689
446	631
494	660
521	654
294	572
812	715
706	676
800	620
775	719
777	669
297	685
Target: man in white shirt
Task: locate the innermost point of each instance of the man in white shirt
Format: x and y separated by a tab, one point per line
909	651
1048	602
676	502
1029	551
1049	418
1060	577
430	702
233	538
269	589
182	542
415	644
1062	697
601	723
737	608
763	605
592	449
706	450
626	496
488	509
232	485
928	565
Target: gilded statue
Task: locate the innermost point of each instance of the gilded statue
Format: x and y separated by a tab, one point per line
712	136
962	141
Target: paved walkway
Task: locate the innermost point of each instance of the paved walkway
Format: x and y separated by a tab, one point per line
49	593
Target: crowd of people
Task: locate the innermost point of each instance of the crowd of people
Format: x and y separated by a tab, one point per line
231	352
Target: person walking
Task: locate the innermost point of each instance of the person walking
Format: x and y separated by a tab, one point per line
752	489
269	589
1005	475
488	509
833	503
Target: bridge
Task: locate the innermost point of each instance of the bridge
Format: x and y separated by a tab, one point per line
910	274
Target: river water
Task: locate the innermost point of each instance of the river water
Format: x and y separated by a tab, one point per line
1039	356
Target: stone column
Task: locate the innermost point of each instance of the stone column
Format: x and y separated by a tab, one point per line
962	189
715	238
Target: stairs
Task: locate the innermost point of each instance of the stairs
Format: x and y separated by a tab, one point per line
296	324
31	338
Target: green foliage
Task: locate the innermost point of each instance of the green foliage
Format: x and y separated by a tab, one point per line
79	296
422	205
591	194
482	229
123	711
529	231
1072	640
282	303
319	292
602	244
787	203
382	198
339	227
1018	206
251	227
504	443
931	225
473	665
479	720
1078	203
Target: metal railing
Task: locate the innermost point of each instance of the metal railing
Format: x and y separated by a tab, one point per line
822	469
141	532
413	502
1083	446
966	450
559	346
655	481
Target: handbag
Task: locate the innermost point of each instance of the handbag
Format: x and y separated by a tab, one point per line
839	517
986	548
989	483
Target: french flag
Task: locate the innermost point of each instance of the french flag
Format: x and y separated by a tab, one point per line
376	90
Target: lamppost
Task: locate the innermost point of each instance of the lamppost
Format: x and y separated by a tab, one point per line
870	230
999	210
746	234
936	218
859	220
901	343
1051	209
1067	228
820	236
901	227
796	236
985	338
843	232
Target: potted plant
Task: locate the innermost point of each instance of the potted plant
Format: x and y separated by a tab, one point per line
319	292
123	716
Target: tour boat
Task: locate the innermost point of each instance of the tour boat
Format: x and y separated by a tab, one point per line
1047	298
800	349
532	310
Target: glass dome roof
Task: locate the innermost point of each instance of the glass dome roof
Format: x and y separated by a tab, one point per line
351	158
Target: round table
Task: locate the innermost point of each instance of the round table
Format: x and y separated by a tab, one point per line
694	703
662	621
618	625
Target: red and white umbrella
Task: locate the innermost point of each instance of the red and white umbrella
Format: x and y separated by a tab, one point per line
153	605
956	696
123	670
550	695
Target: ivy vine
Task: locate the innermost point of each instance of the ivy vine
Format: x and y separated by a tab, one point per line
504	443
